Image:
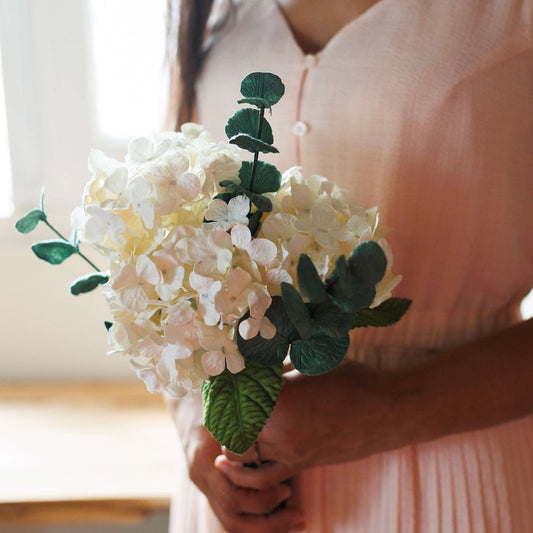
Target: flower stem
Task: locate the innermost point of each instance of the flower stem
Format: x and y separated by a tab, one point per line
256	154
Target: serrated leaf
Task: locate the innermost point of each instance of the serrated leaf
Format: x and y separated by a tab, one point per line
29	221
252	144
309	280
269	351
54	251
330	320
247	121
385	314
263	85
319	354
368	262
267	177
296	310
88	283
237	406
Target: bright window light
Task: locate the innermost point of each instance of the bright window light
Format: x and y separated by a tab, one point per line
127	43
6	189
527	306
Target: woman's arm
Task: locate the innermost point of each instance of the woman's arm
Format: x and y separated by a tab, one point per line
356	411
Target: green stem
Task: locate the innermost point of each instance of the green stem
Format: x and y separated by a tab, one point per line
256	154
66	240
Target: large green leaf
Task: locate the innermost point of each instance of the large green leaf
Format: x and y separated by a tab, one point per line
252	144
296	310
386	314
267	177
269	351
319	354
368	262
247	121
54	251
309	280
331	320
29	221
88	283
237	406
263	85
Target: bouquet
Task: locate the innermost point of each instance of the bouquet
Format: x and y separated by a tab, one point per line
220	269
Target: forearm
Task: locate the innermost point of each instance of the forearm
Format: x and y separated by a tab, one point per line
474	386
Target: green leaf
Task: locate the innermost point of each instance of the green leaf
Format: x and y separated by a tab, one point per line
252	144
247	121
267	177
237	406
269	351
253	221
263	85
319	354
385	314
296	310
225	196
309	280
332	321
368	262
261	202
108	325
258	102
88	283
54	251
29	221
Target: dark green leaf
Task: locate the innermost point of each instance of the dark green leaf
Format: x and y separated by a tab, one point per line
296	310
332	321
247	121
258	102
269	351
29	221
88	283
253	221
231	185
252	144
263	85
309	280
267	177
385	314
54	251
368	262
108	325
261	202
225	196
318	355
237	406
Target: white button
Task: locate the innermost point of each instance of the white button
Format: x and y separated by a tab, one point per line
300	128
310	60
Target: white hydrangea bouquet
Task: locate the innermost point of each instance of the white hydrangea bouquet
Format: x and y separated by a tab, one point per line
220	268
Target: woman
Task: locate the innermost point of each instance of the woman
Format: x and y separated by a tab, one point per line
424	108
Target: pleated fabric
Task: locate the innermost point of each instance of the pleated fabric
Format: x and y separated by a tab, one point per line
425	109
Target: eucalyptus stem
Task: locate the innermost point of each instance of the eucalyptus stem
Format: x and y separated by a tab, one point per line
83	256
256	153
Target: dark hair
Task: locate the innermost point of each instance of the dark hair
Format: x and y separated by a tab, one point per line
187	44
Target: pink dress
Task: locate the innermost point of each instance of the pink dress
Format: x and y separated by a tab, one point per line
425	109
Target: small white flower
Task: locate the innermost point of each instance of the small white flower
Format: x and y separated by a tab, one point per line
207	289
138	192
226	215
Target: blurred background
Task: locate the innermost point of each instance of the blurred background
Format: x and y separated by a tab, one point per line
83	447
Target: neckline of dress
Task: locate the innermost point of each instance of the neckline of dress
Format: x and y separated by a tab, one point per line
334	38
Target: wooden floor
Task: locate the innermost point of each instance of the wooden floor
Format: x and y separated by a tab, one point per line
82	452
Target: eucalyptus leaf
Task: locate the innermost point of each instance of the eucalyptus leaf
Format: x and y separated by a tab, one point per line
54	251
269	351
88	283
368	262
258	102
332	321
296	310
262	203
385	314
247	121
237	406
225	196
252	144
108	325
29	221
263	85
319	354
309	280
267	177
253	221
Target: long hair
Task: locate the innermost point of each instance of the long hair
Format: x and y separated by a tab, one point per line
188	39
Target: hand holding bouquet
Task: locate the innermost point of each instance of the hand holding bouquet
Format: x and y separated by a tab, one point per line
221	268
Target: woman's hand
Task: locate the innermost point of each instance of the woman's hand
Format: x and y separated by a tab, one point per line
238	509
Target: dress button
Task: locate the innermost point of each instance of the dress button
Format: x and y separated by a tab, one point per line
300	128
310	60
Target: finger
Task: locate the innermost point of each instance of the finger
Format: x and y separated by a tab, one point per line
264	476
249	456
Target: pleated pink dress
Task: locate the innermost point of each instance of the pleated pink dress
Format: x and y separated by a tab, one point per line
425	109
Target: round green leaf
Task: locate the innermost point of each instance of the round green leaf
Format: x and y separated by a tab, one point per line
309	280
257	102
237	406
252	144
263	85
88	283
368	262
247	121
269	351
386	314
318	355
330	320
296	310
29	221
54	251
267	177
